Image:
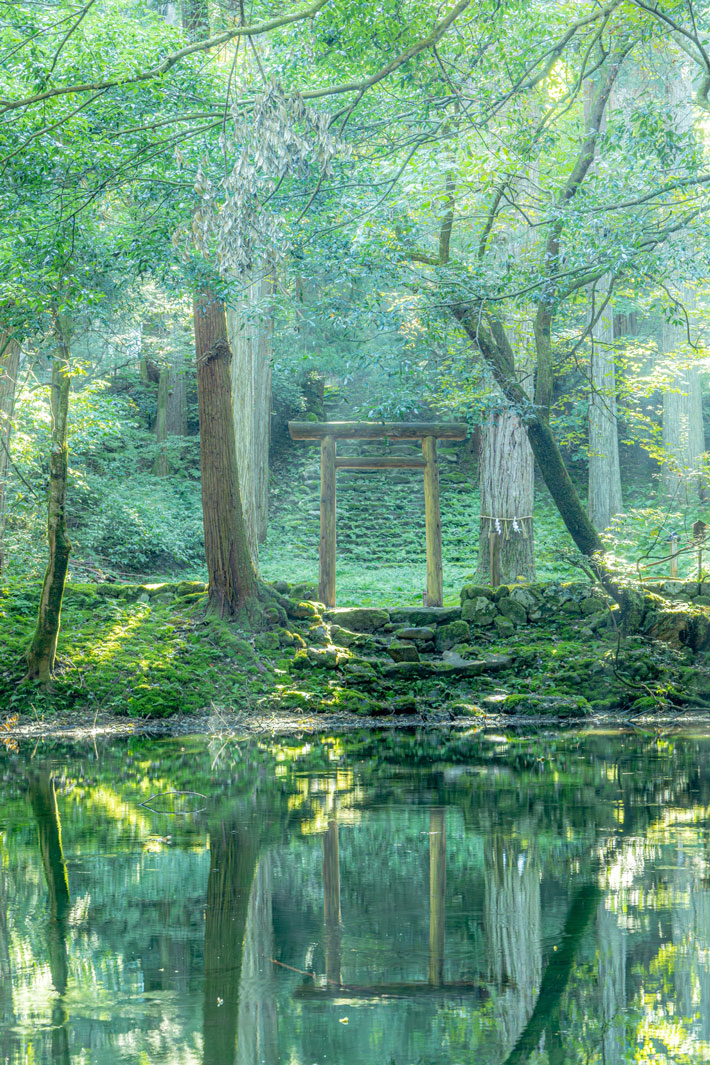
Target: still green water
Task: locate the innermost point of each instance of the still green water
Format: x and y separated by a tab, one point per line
416	899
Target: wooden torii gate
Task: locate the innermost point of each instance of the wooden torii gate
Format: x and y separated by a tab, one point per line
329	433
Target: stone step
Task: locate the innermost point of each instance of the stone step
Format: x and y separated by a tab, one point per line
490	664
418	616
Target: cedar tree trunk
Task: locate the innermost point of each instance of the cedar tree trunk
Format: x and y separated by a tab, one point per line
41	655
232	579
604	494
250	340
9	364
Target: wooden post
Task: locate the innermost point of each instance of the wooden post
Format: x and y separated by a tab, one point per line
437	894
326	585
331	903
674	556
434	566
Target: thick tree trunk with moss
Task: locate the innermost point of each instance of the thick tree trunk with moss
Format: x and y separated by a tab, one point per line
232	579
604	494
250	337
9	365
43	649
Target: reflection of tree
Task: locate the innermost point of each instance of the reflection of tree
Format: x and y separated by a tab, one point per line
7	1012
513	928
43	799
545	1016
437	894
611	953
234	849
258	1032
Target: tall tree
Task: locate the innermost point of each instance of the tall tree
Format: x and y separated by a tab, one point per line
604	491
42	651
232	577
250	335
9	366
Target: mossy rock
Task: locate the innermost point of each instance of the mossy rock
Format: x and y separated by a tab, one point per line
592	605
503	626
417	616
267	641
514	611
190	588
403	651
344	638
193	597
420	633
317	635
475	591
358	619
501	592
479	611
305	590
322	657
301	611
527	598
293	699
448	635
544	705
115	591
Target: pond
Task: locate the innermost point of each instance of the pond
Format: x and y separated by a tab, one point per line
377	899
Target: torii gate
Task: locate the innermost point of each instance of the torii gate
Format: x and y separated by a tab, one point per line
329	433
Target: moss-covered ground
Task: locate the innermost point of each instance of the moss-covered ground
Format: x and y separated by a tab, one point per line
153	651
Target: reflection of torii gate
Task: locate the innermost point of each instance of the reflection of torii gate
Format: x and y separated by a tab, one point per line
437	923
330	432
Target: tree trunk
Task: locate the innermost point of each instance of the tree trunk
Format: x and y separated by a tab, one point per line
683	431
250	339
171	415
507	485
42	652
232	578
9	365
604	493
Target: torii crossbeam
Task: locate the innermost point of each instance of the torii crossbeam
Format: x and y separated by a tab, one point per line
329	433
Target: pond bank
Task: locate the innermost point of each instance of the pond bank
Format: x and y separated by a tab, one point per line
530	652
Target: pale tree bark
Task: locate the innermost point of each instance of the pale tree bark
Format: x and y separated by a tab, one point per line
506	548
232	577
43	649
683	432
9	366
611	960
513	928
604	498
604	487
250	336
171	415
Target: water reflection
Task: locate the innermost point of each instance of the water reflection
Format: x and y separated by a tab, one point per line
406	900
